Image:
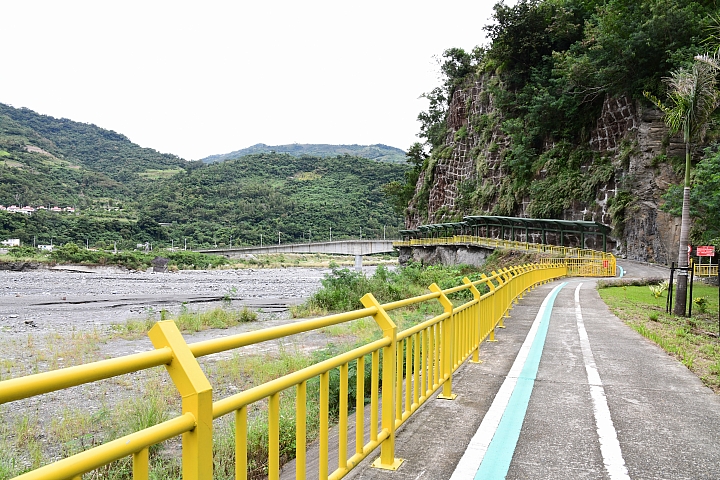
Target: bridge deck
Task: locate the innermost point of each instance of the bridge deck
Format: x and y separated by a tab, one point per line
341	247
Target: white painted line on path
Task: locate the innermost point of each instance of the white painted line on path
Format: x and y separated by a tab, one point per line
609	444
479	444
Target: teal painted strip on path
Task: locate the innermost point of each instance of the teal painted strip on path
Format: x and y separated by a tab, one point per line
496	461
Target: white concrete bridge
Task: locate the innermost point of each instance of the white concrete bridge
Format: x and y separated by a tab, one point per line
341	247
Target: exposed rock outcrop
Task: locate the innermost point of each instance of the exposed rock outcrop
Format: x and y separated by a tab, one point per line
634	138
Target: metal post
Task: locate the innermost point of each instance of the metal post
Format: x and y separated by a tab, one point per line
387	460
692	280
670	288
196	393
447	342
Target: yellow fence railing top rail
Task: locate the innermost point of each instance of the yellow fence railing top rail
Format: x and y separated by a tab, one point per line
410	365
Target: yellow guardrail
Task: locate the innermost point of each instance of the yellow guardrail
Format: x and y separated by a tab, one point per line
705	270
602	265
409	366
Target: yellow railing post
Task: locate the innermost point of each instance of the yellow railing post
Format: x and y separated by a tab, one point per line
476	320
494	298
448	340
387	460
196	393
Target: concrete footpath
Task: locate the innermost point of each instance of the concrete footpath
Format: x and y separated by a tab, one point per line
602	402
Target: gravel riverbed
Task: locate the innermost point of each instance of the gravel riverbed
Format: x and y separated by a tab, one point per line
81	298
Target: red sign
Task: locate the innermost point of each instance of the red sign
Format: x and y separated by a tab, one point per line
706	251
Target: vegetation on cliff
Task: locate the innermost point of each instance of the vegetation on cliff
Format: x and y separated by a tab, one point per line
543	77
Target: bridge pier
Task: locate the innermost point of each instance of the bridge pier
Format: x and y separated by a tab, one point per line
358	263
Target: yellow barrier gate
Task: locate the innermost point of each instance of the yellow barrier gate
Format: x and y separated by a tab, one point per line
409	367
706	270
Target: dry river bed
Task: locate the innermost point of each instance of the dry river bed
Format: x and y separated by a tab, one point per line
54	318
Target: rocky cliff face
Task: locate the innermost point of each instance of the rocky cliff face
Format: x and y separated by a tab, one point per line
634	138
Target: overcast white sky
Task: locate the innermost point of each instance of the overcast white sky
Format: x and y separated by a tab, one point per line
203	78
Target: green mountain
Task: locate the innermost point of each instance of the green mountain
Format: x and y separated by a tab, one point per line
377	152
122	193
50	161
301	197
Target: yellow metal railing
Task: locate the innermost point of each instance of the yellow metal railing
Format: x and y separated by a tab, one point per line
602	265
408	367
705	270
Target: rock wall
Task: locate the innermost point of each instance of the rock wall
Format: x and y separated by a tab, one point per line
635	138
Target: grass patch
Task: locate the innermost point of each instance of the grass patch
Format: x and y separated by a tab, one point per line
693	340
186	321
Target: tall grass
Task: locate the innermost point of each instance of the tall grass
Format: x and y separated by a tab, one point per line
694	341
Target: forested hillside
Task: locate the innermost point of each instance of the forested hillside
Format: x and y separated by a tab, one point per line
45	160
378	152
268	193
551	120
122	192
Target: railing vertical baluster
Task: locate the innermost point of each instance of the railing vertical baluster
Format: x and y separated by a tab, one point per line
416	367
374	387
324	423
343	420
448	342
360	407
424	361
141	464
241	463
399	381
408	374
274	437
300	430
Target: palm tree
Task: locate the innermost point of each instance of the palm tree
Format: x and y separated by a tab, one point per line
693	96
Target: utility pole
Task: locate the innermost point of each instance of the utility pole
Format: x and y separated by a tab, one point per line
383	232
331	234
278	237
261	241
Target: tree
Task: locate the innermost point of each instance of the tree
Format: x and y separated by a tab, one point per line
693	96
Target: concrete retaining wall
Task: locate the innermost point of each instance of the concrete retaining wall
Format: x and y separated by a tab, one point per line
444	255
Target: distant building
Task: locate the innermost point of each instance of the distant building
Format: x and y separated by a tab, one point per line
47	248
11	242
